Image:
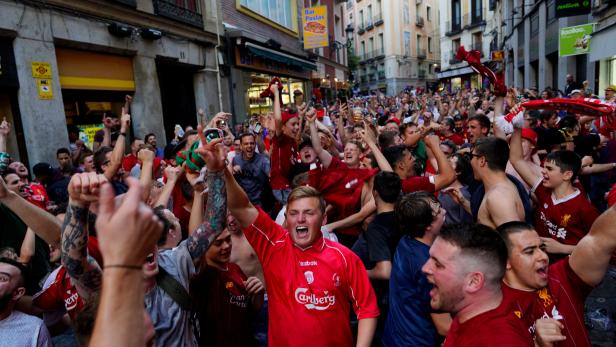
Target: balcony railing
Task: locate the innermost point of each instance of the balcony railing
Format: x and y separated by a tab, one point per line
367	56
381	75
378	53
369	25
419	21
190	13
360	29
373	77
421	53
378	19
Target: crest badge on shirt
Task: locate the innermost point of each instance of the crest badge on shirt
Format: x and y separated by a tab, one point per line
309	277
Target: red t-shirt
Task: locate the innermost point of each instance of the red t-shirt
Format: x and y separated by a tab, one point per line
310	291
566	220
38	195
455	138
61	293
223	307
562	299
129	161
497	327
283	154
418	183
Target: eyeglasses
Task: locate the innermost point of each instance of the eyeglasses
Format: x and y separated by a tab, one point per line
474	155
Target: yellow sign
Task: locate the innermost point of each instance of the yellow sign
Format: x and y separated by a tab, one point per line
44	88
41	70
88	131
314	22
498	55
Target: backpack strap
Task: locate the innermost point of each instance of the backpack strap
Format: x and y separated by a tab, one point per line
174	289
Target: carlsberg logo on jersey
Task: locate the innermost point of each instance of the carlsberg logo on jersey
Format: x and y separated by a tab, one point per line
314	302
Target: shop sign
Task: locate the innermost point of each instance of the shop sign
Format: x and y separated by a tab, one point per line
575	40
314	22
245	60
498	55
568	8
43	86
41	70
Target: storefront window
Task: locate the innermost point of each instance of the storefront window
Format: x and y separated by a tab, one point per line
259	82
456	84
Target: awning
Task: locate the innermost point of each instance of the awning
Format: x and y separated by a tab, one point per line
94	71
455	72
602	45
280	57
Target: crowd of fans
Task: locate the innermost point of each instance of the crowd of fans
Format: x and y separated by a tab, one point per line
407	220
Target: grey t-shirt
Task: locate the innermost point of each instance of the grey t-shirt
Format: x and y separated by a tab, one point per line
20	329
254	175
172	324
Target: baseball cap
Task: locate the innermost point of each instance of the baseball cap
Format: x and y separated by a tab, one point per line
530	135
393	119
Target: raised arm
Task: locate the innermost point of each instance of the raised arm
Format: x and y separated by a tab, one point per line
146	157
517	160
196	211
277	109
45	225
216	209
591	257
498	111
28	246
324	156
119	148
369	139
446	173
83	269
344	112
5	130
173	175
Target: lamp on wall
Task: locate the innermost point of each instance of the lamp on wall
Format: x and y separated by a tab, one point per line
119	30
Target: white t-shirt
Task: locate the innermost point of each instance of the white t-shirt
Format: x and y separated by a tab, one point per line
20	329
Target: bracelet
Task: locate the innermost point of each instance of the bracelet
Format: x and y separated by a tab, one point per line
123	266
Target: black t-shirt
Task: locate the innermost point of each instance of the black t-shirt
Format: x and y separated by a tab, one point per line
379	241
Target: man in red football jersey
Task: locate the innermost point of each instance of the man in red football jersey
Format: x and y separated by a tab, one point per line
466	267
311	282
555	294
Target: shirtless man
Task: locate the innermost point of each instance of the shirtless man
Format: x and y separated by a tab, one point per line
242	252
501	202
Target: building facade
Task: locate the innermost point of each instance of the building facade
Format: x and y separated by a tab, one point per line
473	24
262	42
68	62
396	42
531	39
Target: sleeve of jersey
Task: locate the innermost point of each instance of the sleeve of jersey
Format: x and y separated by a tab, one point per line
361	292
264	236
417	183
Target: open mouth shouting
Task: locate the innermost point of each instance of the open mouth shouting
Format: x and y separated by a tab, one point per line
301	232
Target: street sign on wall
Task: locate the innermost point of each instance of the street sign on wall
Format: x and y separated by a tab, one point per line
314	22
568	8
575	40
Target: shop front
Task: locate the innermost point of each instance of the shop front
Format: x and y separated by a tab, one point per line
9	106
255	65
457	79
93	84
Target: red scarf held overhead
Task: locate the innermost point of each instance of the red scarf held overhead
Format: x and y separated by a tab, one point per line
341	188
473	58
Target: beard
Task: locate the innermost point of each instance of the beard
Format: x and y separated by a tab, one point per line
5	300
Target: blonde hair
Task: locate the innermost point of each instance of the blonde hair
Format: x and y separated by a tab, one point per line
302	192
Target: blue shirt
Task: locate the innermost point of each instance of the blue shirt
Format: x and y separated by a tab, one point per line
254	176
409	322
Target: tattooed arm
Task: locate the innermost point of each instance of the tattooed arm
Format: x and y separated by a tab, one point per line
83	270
214	218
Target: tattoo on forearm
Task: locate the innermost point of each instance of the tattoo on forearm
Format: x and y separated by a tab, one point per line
79	266
215	216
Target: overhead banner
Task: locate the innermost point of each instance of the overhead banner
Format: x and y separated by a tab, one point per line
575	40
314	22
568	8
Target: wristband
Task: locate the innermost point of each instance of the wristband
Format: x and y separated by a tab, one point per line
123	266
